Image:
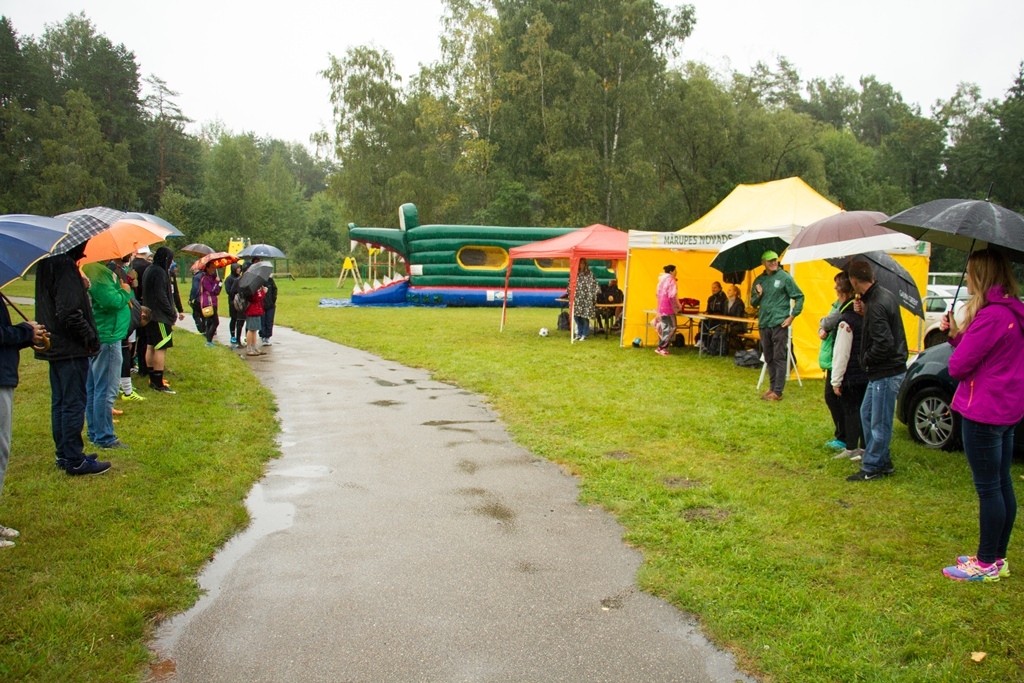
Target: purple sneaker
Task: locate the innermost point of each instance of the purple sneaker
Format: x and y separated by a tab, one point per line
972	571
1004	566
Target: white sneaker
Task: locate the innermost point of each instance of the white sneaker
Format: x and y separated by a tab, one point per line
849	454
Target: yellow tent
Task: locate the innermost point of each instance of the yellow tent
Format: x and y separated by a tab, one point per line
783	207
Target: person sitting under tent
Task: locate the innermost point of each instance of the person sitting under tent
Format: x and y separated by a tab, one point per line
611	318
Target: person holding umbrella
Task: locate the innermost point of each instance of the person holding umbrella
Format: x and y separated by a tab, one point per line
209	291
253	322
988	359
780	300
63	308
13	338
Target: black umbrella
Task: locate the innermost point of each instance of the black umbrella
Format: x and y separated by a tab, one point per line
255	277
964	224
890	275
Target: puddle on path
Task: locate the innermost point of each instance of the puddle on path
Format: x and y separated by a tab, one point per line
385	403
267	517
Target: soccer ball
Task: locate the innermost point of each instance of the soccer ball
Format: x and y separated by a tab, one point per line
637	343
543	331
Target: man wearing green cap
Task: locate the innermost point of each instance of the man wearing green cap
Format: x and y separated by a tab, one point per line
780	300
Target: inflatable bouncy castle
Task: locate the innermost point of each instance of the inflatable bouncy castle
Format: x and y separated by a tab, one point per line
465	265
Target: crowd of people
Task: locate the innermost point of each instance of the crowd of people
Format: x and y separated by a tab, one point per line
96	326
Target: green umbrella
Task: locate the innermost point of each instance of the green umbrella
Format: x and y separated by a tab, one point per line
744	252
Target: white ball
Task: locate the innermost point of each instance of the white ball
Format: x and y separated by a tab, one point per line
543	331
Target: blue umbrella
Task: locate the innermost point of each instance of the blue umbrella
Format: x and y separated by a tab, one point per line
24	239
261	250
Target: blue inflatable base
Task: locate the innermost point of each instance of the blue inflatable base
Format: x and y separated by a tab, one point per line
403	293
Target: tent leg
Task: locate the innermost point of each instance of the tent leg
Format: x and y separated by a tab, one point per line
791	359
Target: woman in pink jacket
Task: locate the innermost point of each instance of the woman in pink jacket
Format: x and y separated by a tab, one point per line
667	295
988	360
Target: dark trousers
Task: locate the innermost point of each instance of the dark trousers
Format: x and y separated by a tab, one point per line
775	346
140	351
853	396
210	325
267	323
835	408
236	325
989	450
126	358
67	407
199	320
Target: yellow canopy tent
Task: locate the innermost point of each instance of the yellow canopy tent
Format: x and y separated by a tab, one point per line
783	207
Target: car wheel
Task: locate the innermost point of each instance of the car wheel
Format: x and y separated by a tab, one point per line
932	422
935	337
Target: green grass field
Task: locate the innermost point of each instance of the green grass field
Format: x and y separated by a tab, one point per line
742	516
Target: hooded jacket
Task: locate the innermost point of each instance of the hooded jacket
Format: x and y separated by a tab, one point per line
988	359
63	308
156	288
109	303
667	294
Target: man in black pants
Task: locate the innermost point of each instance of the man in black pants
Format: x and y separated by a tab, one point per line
63	308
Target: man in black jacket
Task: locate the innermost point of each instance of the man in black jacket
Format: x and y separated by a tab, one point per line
269	308
883	358
63	308
156	293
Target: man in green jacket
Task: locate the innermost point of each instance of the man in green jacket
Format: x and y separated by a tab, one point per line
110	310
780	300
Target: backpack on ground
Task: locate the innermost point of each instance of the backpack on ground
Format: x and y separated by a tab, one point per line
563	321
748	359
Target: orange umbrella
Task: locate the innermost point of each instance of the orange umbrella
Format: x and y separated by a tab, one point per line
125	236
219	259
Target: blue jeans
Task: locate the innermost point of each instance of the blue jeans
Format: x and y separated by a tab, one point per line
582	326
67	407
989	451
876	415
101	387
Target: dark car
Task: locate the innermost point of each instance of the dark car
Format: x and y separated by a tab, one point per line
923	403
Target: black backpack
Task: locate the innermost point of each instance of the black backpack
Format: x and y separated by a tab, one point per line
240	302
563	321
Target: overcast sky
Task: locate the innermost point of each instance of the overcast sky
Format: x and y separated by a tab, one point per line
253	65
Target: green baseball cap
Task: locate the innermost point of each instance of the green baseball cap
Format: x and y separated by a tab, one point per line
769	256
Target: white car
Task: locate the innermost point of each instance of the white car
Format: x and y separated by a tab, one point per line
937	303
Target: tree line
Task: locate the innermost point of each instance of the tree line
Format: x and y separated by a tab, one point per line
538	112
80	127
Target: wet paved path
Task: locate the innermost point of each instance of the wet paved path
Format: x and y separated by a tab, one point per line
404	537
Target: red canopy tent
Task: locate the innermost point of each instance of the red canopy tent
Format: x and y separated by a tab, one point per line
595	242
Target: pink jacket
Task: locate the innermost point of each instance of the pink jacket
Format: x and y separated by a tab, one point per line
988	359
667	294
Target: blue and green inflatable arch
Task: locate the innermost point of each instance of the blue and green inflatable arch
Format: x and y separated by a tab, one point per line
464	265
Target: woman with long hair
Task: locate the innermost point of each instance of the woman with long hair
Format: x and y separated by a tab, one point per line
988	360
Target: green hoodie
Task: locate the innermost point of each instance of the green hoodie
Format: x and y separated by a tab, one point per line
779	290
109	303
